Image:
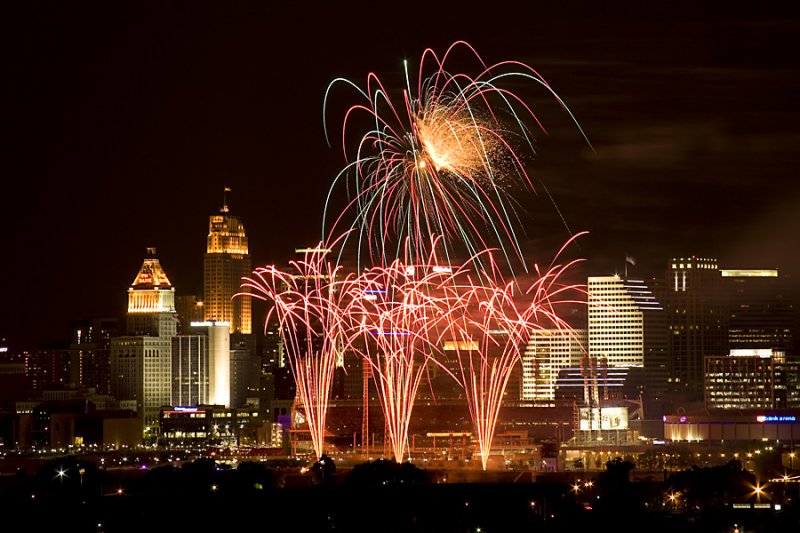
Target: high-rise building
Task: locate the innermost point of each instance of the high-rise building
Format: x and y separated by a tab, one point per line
760	310
627	328
201	365
697	319
190	370
548	352
141	362
751	379
47	367
226	262
90	353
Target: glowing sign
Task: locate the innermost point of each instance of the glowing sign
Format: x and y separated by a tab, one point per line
442	270
185	409
774	418
683	420
3	349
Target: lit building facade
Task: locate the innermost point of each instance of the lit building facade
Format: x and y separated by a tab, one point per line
627	327
201	365
226	262
697	320
734	427
547	353
190	370
760	309
751	379
141	361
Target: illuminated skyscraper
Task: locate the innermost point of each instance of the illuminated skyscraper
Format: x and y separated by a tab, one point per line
627	327
141	362
697	320
226	262
201	363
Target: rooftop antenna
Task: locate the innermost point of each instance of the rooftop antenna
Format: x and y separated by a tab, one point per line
225	192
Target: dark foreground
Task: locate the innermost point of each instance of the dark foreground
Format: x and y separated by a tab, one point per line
201	497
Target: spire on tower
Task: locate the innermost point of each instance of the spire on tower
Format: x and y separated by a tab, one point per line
225	192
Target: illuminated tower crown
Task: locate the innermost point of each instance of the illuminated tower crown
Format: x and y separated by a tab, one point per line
151	291
226	262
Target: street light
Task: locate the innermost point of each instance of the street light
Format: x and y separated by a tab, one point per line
61	474
674	497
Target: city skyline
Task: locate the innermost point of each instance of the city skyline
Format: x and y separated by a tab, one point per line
127	134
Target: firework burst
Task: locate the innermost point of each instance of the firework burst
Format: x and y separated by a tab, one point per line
442	163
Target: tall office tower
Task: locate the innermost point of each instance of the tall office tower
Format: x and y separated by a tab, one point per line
141	362
226	262
761	313
548	352
627	327
751	379
90	353
190	370
201	365
697	320
189	309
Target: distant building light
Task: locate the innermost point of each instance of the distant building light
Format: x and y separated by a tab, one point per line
312	250
451	346
749	273
209	323
764	353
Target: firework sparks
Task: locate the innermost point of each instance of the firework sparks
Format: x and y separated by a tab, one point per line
443	163
489	332
307	302
392	333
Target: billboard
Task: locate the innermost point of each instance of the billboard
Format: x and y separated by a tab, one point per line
603	418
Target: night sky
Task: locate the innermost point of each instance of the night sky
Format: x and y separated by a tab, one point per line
123	124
